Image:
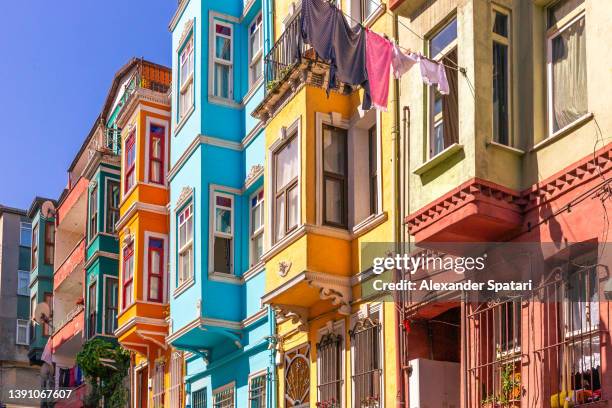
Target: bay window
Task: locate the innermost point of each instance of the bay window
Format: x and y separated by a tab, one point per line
286	188
128	275
223	233
443	109
257	226
501	76
156	269
130	162
156	153
335	183
185	244
49	242
222	60
566	64
186	78
111	305
112	205
255	50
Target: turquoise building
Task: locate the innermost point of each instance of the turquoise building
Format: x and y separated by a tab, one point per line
42	214
216	205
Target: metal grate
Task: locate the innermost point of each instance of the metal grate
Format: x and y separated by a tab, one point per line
224	398
199	398
158	386
329	350
367	370
257	392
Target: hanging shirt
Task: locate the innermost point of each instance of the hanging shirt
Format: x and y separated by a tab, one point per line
434	73
379	52
401	61
324	27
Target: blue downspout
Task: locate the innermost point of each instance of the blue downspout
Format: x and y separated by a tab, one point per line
272	369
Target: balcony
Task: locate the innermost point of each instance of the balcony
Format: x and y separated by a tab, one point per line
67	336
289	65
64	273
405	8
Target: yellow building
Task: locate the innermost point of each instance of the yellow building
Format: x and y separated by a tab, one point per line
330	188
143	116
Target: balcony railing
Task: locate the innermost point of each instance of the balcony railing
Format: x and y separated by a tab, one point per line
286	54
71	315
112	139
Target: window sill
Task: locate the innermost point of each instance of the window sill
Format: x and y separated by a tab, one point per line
369	224
183	120
183	287
357	231
224	277
253	270
284	243
252	90
224	102
439	158
559	134
509	149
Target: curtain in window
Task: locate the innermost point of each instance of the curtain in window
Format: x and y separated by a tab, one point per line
569	75
450	102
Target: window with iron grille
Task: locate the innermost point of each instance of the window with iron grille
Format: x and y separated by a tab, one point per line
176	379
199	398
158	385
224	397
257	391
367	361
329	366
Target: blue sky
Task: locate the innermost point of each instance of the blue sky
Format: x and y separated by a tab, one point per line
57	61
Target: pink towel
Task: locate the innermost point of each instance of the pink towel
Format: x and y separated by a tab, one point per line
379	52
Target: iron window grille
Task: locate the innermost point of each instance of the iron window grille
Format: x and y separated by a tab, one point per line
367	364
257	391
329	351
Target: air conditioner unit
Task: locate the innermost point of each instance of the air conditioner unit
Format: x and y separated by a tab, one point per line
434	384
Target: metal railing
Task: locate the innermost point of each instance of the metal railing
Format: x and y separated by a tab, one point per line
71	315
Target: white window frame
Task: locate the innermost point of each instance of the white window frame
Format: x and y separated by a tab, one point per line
218	390
23	275
364	311
259	373
184	86
507	41
214	233
186	247
216	19
551	33
25	225
257	56
176	378
338	327
164	288
158	388
22	323
259	232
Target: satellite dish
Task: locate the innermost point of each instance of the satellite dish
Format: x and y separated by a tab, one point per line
42	313
48	209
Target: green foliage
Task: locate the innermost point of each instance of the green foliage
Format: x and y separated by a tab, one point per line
105	366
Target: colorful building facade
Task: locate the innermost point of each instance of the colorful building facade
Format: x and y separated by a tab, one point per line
329	190
216	204
139	103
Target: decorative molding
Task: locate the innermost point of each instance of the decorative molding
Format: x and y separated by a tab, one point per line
254	173
283	268
186	31
186	194
298	315
332	288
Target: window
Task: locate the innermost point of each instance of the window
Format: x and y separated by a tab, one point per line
128	275
443	116
566	51
186	78
25	233
329	366
176	379
93	212
23	283
373	169
49	242
255	50
48	301
224	397
156	269
92	306
156	154
130	162
501	76
297	377
185	244
158	385
34	243
223	233
111	305
286	205
222	60
32	323
367	8
257	226
23	334
335	183
507	323
367	360
112	205
199	398
257	391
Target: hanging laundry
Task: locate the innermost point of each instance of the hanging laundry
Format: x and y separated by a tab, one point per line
434	73
401	61
324	27
379	52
